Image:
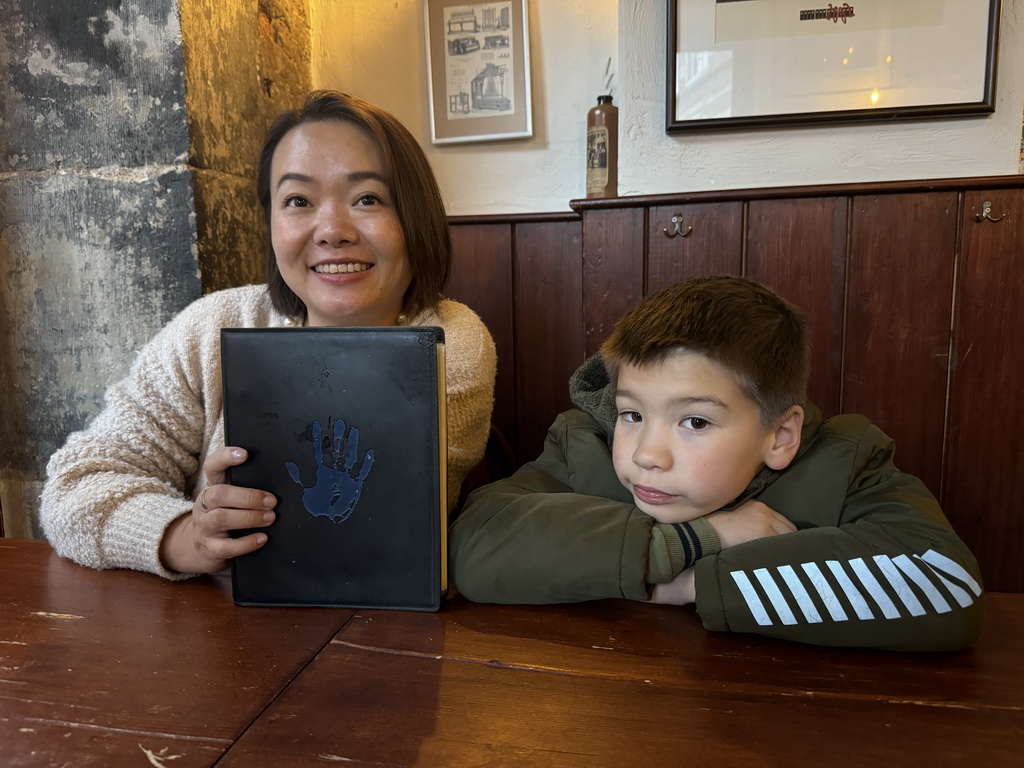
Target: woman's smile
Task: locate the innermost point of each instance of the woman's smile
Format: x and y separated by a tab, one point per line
341	269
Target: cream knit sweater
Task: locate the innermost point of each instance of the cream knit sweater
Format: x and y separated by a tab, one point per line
113	488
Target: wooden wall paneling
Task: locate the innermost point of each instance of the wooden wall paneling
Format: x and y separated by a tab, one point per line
481	279
985	445
900	278
613	270
798	248
714	245
548	325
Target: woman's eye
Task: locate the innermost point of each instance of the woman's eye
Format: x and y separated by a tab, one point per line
696	423
296	201
630	417
368	200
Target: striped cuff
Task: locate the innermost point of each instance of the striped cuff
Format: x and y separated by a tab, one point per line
679	546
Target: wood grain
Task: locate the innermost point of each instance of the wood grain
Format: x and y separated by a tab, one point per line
548	326
798	248
899	305
985	461
714	245
110	668
613	270
481	279
616	683
98	667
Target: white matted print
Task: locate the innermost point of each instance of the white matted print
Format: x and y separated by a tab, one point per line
478	70
753	63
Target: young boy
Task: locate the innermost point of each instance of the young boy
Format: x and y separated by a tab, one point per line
693	470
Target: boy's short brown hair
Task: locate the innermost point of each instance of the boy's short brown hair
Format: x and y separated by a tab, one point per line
762	339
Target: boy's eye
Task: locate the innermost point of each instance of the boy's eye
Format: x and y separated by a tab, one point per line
630	417
696	423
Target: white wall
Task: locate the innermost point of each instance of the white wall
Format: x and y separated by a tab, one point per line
376	50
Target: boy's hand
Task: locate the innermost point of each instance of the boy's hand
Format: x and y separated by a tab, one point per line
680	591
750	520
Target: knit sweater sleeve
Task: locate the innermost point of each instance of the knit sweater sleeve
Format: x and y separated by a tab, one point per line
113	488
471	363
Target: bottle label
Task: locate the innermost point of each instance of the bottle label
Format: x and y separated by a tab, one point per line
597	159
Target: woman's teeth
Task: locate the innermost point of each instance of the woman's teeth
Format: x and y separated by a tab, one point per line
336	268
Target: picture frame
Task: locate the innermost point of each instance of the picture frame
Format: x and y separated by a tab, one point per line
770	63
478	70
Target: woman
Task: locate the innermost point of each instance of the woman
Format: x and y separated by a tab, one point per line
357	236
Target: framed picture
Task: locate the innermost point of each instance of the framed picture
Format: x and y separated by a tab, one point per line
478	70
765	63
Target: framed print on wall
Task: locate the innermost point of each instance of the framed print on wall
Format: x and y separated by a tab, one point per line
768	63
478	70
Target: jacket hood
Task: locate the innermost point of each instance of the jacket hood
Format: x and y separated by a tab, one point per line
592	392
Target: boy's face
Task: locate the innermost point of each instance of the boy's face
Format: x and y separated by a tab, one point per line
687	438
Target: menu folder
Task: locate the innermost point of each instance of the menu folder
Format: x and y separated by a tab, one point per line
347	428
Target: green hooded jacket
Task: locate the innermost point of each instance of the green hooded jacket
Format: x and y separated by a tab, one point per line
873	562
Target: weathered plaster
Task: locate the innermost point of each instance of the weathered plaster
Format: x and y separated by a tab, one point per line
91	83
90	268
98	241
129	135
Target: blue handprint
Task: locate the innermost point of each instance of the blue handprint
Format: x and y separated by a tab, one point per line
336	491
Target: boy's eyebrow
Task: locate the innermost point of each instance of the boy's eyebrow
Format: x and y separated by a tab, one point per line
686	400
352	177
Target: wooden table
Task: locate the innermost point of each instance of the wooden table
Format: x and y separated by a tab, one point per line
118	668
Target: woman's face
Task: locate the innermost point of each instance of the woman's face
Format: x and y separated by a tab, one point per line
336	235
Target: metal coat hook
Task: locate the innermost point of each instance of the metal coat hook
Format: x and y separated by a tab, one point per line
986	213
677	222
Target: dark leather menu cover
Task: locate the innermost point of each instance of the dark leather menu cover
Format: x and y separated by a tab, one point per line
346	427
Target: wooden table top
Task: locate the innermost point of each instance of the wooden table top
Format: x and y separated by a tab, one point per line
120	668
96	665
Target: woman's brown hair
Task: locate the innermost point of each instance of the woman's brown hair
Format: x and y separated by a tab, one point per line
409	177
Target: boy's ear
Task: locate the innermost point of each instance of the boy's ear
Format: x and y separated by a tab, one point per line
786	439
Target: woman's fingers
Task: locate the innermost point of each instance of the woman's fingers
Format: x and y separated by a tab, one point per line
233	497
220	461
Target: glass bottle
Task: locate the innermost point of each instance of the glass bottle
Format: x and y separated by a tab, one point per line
603	149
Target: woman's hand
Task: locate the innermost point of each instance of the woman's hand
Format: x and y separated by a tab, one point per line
750	520
201	542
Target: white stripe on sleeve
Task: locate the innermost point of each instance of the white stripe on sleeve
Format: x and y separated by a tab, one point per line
942	563
857	601
874	588
909	567
775	596
903	590
800	594
959	594
828	597
754	603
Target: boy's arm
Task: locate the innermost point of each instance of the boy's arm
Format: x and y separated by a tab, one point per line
563	529
889	573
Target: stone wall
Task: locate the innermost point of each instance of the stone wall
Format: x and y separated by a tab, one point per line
128	137
242	67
